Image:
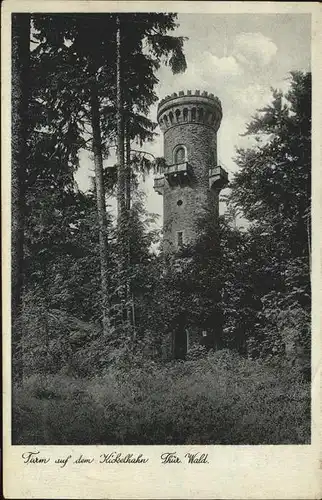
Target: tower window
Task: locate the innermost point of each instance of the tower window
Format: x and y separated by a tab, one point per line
179	203
180	239
180	155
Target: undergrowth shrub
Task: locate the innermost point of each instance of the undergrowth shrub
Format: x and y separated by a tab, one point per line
218	399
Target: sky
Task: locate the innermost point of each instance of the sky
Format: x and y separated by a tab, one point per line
237	57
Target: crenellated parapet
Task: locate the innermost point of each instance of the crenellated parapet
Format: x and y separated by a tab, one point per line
188	107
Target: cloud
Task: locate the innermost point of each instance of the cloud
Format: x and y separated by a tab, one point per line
225	66
207	72
252	97
254	49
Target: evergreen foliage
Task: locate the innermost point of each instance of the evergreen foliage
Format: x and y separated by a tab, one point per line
249	287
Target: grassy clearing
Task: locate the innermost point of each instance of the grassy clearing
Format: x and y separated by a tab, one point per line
219	399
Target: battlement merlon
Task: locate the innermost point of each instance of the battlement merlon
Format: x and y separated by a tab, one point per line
188	107
189	93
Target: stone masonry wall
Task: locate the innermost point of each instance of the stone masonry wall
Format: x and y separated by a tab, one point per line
200	141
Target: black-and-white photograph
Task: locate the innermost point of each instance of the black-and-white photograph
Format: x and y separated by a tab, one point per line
161	228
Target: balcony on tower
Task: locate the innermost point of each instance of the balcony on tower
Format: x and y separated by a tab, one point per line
159	184
178	173
218	177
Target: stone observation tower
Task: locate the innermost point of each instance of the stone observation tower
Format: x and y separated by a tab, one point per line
191	178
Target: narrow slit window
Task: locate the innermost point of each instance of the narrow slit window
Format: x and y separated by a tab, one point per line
180	239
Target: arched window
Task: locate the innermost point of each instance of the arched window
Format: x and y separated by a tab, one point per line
180	155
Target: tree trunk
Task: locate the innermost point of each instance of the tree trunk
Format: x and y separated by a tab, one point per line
101	206
129	295
127	168
121	205
20	95
121	177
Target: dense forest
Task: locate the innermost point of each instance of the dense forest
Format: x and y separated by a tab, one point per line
93	304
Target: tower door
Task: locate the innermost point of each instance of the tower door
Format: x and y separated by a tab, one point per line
180	343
